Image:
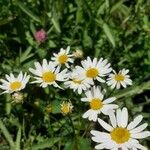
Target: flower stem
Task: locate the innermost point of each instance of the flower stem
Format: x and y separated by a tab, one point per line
74	133
8	104
111	93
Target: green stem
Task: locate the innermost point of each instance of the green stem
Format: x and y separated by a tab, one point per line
7	134
71	122
74	133
8	104
111	93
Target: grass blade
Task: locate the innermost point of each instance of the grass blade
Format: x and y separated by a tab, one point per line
27	11
109	34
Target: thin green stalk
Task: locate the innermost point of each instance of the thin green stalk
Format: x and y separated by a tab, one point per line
111	93
7	134
86	130
71	122
8	104
74	134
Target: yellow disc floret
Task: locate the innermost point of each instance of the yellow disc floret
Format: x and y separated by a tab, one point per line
48	76
119	77
63	59
92	73
15	85
120	135
76	81
96	104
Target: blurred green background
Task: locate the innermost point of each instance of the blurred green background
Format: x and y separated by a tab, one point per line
113	29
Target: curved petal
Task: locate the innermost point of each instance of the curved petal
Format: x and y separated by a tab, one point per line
135	122
124	117
105	125
139	128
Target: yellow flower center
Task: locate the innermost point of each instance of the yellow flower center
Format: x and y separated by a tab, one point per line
76	81
48	76
63	59
96	104
120	135
66	108
119	77
92	73
15	85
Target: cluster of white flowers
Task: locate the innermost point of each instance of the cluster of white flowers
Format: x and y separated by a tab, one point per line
84	78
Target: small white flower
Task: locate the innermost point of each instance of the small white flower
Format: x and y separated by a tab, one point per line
63	57
118	79
14	84
95	98
48	74
94	70
120	134
77	83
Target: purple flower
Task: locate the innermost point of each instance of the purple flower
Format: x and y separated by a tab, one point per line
40	36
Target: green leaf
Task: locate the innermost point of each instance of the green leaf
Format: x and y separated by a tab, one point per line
132	90
79	142
116	6
56	106
79	16
87	41
18	139
109	34
42	52
84	144
6	134
56	25
27	11
5	21
48	143
26	55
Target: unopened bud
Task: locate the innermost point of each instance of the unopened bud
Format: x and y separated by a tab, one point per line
66	107
48	108
17	97
78	53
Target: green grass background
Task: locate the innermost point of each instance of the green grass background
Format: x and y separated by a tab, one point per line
114	29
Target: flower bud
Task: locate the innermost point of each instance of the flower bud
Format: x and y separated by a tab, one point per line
78	53
17	97
66	107
40	36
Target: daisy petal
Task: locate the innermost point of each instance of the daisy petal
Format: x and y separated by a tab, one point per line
135	122
105	125
124	117
99	146
112	118
109	100
141	135
118	114
139	129
139	146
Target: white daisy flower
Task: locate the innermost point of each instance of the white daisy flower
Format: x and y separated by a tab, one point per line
48	74
120	134
119	79
63	57
77	83
97	104
14	84
94	70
